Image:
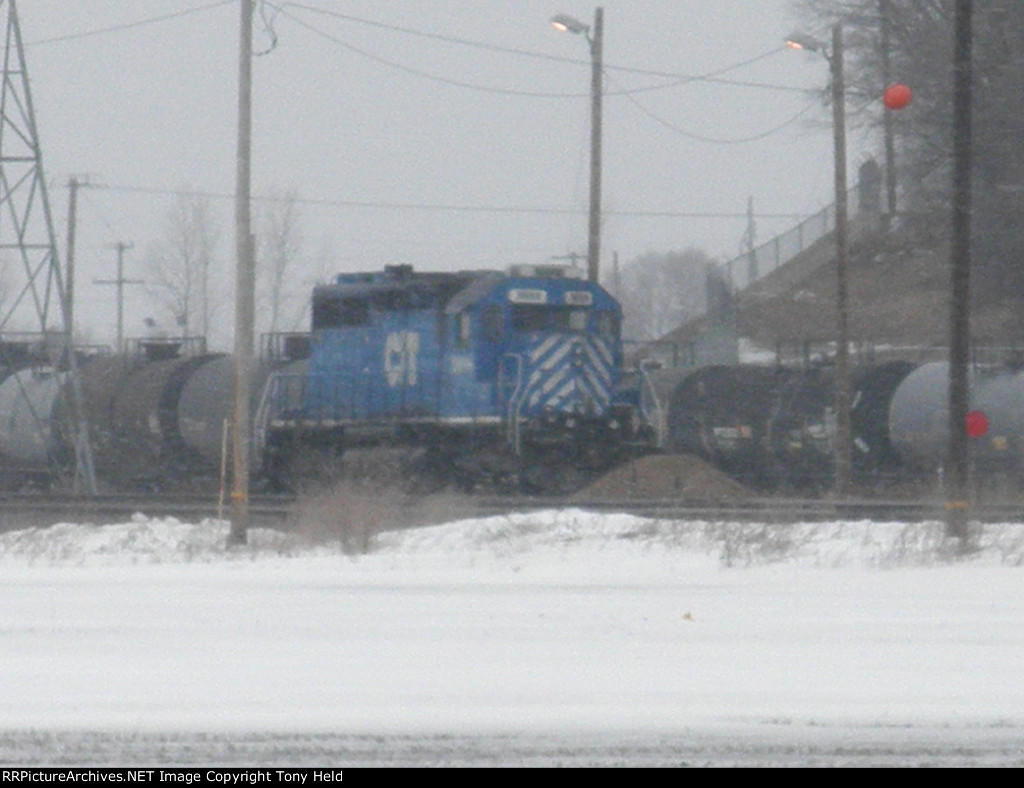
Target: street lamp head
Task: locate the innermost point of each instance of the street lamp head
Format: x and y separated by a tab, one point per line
799	40
564	23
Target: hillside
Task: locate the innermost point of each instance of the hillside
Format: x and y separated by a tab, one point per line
898	298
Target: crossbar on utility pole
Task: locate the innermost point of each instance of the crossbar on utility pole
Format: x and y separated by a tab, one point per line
119	282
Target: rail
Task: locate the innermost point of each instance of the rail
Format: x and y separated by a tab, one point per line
284	512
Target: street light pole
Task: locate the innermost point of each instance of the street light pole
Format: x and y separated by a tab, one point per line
596	123
595	37
844	442
844	427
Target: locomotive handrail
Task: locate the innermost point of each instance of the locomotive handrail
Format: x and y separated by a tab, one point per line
659	414
514	400
261	422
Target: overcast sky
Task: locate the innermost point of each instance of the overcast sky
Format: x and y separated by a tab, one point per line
443	133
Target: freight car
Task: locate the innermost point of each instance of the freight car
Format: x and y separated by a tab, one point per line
774	428
770	428
155	418
505	378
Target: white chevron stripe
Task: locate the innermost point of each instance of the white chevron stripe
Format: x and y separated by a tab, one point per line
544	347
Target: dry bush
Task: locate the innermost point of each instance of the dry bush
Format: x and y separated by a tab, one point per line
369	495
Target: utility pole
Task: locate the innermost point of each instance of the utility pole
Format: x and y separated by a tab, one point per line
960	280
844	437
120	282
888	119
69	288
749	239
596	134
74	184
245	287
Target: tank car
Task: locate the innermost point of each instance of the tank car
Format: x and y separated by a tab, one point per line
508	377
155	418
768	427
159	424
32	446
919	420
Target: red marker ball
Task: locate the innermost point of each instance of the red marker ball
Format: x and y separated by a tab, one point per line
898	96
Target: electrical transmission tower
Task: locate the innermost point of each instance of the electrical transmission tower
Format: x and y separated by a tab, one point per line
34	310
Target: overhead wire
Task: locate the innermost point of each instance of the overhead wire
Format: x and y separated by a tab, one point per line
719	140
676	79
439	207
130	25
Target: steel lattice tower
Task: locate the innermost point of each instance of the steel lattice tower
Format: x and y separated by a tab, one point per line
32	292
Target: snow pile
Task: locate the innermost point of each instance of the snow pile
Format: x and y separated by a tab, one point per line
517	541
142	540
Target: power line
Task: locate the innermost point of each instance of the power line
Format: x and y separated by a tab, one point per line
131	25
443	208
676	78
719	140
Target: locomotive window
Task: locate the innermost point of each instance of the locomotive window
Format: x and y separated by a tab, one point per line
337	312
391	300
464	329
493	319
529	317
577	320
607	324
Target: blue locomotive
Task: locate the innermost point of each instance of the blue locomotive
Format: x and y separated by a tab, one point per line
510	377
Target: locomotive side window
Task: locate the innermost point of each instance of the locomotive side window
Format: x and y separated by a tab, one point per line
465	325
493	320
607	324
391	300
334	312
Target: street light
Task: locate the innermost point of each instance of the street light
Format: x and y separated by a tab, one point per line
844	439
567	24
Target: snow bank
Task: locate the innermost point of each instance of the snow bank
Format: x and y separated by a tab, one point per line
517	540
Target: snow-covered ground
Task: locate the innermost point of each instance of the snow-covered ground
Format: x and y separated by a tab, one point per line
555	637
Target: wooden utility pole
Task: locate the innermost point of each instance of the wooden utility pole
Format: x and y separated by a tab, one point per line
888	118
69	283
957	467
844	437
245	287
596	135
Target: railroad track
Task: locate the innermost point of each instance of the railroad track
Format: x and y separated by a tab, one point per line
287	512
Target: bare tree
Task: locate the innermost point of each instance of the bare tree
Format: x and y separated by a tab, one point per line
659	292
279	250
920	45
181	266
